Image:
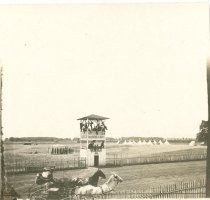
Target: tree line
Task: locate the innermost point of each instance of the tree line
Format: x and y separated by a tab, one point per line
35	139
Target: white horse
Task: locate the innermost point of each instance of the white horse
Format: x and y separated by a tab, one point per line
107	187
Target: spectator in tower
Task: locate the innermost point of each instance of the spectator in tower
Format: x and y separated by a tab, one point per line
91	125
97	127
102	145
95	124
81	126
90	146
86	126
103	127
97	147
100	125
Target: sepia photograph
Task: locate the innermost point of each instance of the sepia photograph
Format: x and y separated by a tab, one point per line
104	100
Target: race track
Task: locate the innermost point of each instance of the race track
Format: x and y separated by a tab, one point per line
136	177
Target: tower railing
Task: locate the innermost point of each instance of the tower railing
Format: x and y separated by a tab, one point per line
92	135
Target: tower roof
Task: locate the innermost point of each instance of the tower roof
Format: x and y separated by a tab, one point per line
93	117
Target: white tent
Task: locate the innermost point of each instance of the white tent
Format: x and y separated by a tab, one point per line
192	143
160	142
154	142
166	143
134	142
139	142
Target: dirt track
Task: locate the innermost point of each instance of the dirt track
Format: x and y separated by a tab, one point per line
137	177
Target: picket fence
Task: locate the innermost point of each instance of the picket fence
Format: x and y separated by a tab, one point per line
26	166
193	189
154	159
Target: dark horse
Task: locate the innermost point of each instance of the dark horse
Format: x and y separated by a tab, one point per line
93	180
61	186
65	182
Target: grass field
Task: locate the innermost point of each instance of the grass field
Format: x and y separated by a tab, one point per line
15	152
19	152
126	151
138	177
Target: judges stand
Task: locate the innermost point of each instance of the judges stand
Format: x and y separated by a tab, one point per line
93	140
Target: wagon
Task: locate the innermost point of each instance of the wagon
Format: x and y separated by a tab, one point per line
41	192
63	188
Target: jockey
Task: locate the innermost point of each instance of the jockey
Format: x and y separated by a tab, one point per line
47	174
45	177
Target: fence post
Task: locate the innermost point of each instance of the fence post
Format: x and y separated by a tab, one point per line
208	133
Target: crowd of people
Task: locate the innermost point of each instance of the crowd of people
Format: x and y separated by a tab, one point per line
95	147
61	150
89	125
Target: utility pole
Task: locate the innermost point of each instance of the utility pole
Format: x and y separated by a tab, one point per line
208	133
2	172
87	142
208	138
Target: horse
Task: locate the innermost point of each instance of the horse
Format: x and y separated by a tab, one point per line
89	190
93	180
69	183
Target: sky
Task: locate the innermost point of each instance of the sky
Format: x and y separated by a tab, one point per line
142	65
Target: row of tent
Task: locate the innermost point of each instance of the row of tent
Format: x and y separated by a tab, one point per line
144	142
160	142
